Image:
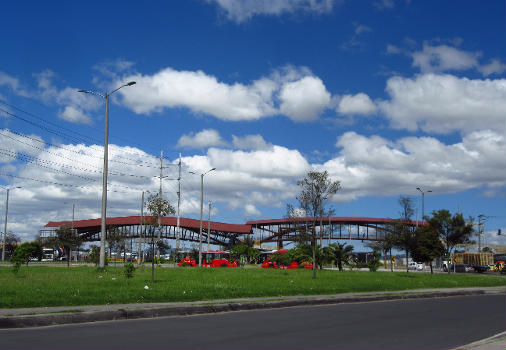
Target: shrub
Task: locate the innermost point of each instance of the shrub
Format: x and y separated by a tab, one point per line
129	269
374	263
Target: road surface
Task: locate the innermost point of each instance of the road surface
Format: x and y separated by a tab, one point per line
432	324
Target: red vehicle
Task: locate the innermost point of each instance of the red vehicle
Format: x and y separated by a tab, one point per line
211	258
267	264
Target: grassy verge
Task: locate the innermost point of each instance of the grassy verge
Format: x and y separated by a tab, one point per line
57	286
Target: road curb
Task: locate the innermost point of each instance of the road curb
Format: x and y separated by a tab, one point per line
495	342
26	321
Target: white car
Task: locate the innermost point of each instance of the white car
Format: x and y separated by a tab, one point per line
415	266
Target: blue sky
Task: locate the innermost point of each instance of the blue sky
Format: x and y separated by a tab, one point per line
385	95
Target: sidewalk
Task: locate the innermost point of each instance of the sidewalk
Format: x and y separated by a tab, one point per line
46	316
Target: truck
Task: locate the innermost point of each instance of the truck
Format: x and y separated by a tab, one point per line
479	262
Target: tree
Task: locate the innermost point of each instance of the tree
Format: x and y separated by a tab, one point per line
428	245
403	236
115	240
342	253
315	190
11	242
24	252
158	207
452	230
245	250
384	246
94	256
67	238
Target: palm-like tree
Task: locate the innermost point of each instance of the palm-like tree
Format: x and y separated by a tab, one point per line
341	253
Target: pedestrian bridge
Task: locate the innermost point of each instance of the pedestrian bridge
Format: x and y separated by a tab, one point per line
225	234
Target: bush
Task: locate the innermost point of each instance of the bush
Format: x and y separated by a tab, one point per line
94	256
129	269
375	262
24	252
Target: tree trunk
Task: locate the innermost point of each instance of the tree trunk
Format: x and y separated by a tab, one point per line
407	264
391	261
431	270
314	253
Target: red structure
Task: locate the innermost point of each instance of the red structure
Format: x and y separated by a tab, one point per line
263	231
219	233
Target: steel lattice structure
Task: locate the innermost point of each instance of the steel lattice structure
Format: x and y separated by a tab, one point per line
224	234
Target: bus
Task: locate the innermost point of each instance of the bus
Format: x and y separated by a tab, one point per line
210	258
266	263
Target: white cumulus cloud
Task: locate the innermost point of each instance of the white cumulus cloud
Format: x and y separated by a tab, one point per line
242	10
444	103
443	58
356	104
377	166
202	139
301	95
304	99
252	142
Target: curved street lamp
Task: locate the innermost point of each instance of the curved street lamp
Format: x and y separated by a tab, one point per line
423	201
105	96
201	210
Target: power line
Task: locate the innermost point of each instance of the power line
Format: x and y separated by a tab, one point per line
31	160
55	183
80	138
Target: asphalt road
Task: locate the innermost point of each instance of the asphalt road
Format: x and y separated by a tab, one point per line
432	324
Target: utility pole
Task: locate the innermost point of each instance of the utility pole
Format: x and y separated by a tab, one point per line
103	227
160	198
178	204
209	227
480	230
201	210
73	210
140	233
5	224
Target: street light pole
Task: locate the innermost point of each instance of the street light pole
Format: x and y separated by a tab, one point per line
209	227
423	201
201	210
5	222
105	169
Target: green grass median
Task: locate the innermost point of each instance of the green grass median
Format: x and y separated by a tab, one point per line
39	286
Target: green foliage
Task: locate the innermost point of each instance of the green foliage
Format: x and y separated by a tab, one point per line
403	236
428	245
11	242
94	256
129	269
341	253
374	263
159	207
24	252
316	189
281	259
65	237
55	286
244	251
452	230
303	253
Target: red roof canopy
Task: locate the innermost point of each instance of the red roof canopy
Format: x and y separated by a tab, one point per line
166	221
